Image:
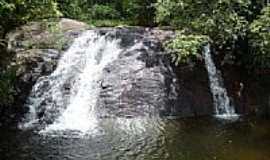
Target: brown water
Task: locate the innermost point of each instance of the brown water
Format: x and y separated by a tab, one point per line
146	139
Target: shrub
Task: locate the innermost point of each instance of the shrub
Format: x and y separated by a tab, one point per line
16	12
75	9
104	12
229	24
185	47
142	12
260	40
223	21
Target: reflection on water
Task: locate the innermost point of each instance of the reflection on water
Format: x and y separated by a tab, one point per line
145	139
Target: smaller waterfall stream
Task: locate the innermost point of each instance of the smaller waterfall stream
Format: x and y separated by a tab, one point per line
223	107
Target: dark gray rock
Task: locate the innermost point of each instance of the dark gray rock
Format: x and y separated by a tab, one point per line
142	81
31	65
195	98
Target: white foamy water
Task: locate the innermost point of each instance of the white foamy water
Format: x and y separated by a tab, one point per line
72	89
223	107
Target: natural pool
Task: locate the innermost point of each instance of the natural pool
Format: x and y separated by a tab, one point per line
145	139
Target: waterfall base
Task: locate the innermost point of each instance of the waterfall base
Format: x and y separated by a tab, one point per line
231	117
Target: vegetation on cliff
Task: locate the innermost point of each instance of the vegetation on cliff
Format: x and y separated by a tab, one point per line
240	28
259	40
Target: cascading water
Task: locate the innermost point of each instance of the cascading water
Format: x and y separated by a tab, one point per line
72	89
224	108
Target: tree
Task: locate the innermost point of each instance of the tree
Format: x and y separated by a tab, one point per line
260	40
16	12
231	26
140	11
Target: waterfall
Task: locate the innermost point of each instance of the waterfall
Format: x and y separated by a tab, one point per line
223	107
68	96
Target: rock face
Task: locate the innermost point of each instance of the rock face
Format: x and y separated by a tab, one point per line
32	64
250	92
195	96
141	81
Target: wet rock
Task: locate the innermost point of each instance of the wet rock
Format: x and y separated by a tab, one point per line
195	95
142	81
31	65
34	51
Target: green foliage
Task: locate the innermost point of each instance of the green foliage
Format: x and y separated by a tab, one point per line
7	90
185	47
221	20
104	12
37	9
260	39
76	9
226	22
17	12
167	11
142	12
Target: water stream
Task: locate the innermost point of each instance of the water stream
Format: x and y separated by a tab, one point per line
223	106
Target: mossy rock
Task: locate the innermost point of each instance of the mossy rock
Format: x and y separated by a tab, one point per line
45	35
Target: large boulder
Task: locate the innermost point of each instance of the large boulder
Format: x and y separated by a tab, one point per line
45	35
142	81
